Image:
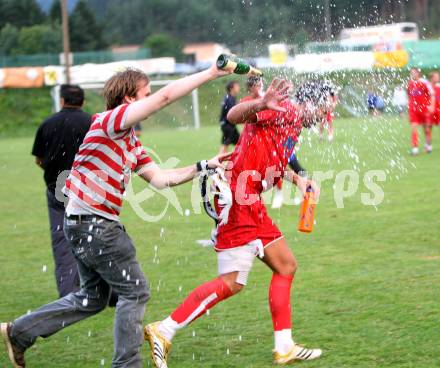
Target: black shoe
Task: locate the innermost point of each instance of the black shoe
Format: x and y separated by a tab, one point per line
16	355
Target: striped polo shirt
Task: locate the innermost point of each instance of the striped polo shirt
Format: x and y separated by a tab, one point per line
103	165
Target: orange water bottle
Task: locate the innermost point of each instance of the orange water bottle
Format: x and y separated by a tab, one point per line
307	212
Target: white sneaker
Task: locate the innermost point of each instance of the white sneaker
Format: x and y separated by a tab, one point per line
297	352
428	148
415	151
277	199
330	138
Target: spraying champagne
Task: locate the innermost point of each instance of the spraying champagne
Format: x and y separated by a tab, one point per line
238	66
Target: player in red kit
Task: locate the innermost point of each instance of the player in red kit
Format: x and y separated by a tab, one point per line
435	82
420	107
272	125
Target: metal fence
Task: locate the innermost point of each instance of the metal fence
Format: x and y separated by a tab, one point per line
325	47
78	58
423	54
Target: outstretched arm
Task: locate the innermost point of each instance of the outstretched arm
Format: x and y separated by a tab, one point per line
163	178
277	92
142	109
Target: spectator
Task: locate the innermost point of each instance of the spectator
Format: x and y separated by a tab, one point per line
375	103
400	100
379	105
371	102
57	141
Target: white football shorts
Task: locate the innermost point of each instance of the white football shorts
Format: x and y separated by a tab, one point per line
240	259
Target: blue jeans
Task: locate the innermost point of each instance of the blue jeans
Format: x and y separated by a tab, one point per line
66	269
106	259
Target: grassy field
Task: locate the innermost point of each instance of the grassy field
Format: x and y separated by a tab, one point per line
367	290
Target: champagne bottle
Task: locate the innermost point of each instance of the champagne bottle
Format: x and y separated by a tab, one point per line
238	66
307	212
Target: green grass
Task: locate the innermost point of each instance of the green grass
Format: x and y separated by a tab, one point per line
366	292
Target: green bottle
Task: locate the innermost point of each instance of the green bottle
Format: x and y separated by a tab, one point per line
238	66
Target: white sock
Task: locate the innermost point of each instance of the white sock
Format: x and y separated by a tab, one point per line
283	341
168	328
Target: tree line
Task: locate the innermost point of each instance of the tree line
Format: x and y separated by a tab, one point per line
165	25
25	29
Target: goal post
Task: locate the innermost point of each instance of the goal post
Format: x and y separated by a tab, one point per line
98	86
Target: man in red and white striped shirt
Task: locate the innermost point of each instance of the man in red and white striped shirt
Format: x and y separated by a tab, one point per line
103	166
104	252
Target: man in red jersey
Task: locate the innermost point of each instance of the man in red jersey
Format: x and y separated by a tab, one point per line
105	254
420	106
435	82
272	125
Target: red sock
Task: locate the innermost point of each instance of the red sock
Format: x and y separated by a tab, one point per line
279	301
200	300
415	138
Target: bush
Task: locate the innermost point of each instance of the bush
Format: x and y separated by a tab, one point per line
39	39
163	44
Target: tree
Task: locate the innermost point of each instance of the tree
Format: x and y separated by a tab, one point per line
163	44
300	39
85	32
99	8
20	13
249	25
433	23
55	12
38	39
8	39
130	21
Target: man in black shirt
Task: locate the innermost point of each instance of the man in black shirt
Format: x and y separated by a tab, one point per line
57	141
230	132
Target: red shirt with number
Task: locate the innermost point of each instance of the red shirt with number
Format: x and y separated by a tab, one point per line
419	98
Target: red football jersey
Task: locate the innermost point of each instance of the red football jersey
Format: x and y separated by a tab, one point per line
435	118
264	148
419	95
